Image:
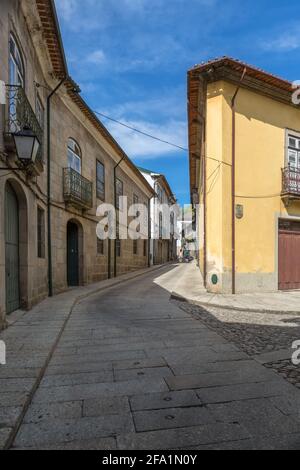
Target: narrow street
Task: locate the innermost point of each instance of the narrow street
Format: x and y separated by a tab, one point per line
133	370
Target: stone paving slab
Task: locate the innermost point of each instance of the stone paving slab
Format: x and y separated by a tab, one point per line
240	376
49	432
85	367
140	364
9	415
215	367
61	411
4	436
77	379
159	401
112	356
246	391
259	417
151	373
172	418
181	438
115	405
81	392
107	443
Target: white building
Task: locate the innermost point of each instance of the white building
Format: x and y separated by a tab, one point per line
163	244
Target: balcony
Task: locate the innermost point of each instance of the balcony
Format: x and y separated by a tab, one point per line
290	183
19	114
78	191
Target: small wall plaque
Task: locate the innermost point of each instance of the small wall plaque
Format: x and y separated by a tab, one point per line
239	211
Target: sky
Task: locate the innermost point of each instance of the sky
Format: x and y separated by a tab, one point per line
131	57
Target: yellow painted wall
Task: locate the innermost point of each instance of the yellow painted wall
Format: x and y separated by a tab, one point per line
261	124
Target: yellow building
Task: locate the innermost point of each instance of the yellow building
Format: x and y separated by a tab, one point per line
244	143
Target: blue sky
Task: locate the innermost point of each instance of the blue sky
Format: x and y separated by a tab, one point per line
130	58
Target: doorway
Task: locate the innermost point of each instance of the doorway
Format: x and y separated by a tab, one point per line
72	254
12	256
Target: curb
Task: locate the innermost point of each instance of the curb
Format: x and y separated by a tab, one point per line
15	429
198	303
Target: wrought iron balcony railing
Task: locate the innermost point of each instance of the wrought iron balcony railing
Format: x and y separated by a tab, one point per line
291	181
77	189
19	114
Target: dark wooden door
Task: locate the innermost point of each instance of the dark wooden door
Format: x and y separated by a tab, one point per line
73	255
12	281
289	255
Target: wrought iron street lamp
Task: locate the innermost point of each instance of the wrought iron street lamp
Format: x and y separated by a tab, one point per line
27	145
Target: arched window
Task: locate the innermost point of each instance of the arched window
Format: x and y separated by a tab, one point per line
74	156
16	64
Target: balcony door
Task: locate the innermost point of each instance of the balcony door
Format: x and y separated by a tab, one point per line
294	152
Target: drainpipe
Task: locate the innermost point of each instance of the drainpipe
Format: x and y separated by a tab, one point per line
115	205
233	238
50	279
149	230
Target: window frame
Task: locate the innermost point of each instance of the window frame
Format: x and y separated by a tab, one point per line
99	195
74	154
41	233
39	109
15	58
290	134
102	251
118	195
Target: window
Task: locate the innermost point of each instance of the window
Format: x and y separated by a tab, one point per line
294	151
118	242
119	193
135	199
41	232
100	246
145	247
39	111
74	156
159	193
160	225
16	64
172	224
135	247
100	181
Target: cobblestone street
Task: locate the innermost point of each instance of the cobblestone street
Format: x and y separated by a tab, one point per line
255	334
131	369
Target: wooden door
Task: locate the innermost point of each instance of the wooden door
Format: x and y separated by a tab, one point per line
73	255
289	255
12	271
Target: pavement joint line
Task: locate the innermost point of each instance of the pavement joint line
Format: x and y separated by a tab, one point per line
15	429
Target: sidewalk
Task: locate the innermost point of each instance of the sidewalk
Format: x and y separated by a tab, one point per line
30	342
190	287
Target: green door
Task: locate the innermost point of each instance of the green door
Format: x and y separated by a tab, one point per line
73	255
12	282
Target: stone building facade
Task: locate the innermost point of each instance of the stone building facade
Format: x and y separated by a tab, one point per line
163	243
74	171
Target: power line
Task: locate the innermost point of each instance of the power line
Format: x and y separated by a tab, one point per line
141	132
151	136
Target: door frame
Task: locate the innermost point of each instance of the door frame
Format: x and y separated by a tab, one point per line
279	217
80	252
25	300
8	185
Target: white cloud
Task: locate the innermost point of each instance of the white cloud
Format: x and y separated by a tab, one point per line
142	147
287	41
67	8
96	57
